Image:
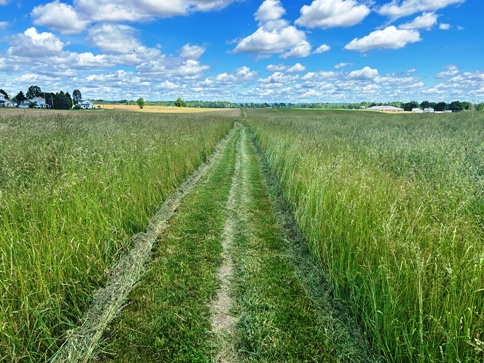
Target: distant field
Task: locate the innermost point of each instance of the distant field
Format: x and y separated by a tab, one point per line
165	109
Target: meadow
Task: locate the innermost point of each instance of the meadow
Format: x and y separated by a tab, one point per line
393	208
74	188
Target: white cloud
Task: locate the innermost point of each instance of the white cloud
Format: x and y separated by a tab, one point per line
298	67
388	38
3	2
364	73
424	21
192	51
342	65
114	38
34	44
3	24
276	67
450	72
332	13
303	49
399	8
322	49
269	10
274	35
444	26
60	17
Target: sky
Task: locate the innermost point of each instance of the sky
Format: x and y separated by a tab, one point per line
246	50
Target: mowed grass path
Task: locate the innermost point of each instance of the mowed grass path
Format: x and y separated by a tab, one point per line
168	317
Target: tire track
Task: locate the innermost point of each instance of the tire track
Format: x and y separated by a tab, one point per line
108	301
222	321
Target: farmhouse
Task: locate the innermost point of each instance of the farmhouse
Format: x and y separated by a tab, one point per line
39	102
385	108
6	103
86	104
417	110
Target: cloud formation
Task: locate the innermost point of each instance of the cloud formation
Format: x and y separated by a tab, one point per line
397	9
388	38
326	14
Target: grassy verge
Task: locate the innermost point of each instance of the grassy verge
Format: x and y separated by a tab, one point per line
73	190
278	322
168	317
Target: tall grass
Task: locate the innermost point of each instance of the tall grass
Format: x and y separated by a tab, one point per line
393	205
73	189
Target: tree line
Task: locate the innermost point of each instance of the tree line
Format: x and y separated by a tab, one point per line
58	100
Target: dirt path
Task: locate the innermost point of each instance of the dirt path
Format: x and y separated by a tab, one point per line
108	301
230	280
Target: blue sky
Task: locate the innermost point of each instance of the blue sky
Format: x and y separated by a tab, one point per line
246	50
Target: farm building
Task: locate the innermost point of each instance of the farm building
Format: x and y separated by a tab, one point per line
385	108
86	104
5	102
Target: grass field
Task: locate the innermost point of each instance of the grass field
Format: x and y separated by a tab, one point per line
393	207
390	207
73	190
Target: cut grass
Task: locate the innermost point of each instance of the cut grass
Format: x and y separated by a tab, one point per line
168	317
278	322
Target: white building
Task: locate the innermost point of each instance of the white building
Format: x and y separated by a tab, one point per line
385	108
417	110
39	102
86	104
429	110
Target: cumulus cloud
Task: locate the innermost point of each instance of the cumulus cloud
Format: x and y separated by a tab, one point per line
269	10
322	49
364	73
450	71
298	67
388	38
399	8
444	26
114	38
424	21
332	13
3	2
192	51
49	15
34	44
76	18
274	34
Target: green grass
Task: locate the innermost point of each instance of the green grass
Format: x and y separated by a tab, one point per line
393	207
278	321
167	319
73	190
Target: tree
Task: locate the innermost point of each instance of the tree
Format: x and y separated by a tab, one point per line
410	105
33	104
180	103
76	96
4	93
70	99
33	91
61	102
141	102
440	106
20	97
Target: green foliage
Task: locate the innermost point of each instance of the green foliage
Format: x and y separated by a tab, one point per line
180	103
76	96
73	190
140	102
33	91
5	94
393	207
20	97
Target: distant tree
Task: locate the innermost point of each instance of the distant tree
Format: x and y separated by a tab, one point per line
20	97
425	104
479	106
70	99
4	93
140	102
76	96
440	106
410	105
180	103
33	104
33	91
456	106
61	102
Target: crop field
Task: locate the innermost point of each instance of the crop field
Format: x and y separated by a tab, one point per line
241	236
